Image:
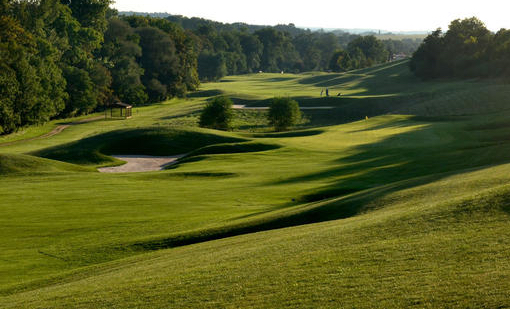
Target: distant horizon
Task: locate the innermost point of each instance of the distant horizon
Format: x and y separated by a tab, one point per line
350	30
399	16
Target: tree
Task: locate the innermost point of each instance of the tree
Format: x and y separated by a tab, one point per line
211	66
278	52
252	48
373	51
90	13
217	114
159	60
340	61
426	61
168	56
31	84
466	43
121	50
468	49
500	53
283	113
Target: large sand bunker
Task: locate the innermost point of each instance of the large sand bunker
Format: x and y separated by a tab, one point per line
140	163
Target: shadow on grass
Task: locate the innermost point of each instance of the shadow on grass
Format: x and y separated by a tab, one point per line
181	115
252	127
399	162
403	156
204	93
328	210
314	80
388	78
286	134
232	148
279	79
186	175
227	148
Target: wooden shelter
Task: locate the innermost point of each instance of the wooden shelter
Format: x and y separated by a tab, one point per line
119	110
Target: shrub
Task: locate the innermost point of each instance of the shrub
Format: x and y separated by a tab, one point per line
283	113
217	114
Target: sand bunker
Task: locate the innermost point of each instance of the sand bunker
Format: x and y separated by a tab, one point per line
139	163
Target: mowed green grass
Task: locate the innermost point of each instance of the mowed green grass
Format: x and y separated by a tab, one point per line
413	251
402	210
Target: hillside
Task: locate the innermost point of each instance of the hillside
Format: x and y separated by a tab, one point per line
395	196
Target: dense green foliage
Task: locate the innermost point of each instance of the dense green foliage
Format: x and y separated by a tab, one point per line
66	58
362	52
32	88
217	114
231	49
468	49
283	113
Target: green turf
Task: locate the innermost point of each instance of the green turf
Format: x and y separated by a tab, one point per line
390	211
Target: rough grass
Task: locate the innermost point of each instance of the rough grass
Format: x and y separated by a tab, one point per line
389	211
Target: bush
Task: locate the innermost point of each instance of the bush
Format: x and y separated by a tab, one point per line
283	113
217	114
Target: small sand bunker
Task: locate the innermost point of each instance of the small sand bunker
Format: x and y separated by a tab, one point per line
139	163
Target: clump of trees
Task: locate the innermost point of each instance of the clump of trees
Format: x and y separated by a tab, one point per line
231	49
47	65
283	113
217	114
61	58
362	52
468	49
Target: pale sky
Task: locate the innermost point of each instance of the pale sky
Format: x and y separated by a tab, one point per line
393	15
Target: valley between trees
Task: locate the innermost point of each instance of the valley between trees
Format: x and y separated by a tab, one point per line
407	208
388	188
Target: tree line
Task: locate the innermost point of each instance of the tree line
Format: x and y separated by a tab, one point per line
468	49
231	49
62	58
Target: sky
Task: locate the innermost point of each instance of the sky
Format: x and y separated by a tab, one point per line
393	15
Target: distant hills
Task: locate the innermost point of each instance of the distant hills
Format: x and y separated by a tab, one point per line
359	31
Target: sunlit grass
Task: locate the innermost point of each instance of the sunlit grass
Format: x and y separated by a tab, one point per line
402	210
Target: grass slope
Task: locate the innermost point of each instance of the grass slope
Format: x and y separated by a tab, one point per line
402	210
451	251
17	164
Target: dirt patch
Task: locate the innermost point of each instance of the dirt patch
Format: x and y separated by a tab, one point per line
55	131
139	163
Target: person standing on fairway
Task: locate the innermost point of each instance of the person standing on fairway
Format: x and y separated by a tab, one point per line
327	92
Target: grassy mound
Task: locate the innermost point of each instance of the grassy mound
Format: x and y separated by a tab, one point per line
232	148
16	164
157	141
